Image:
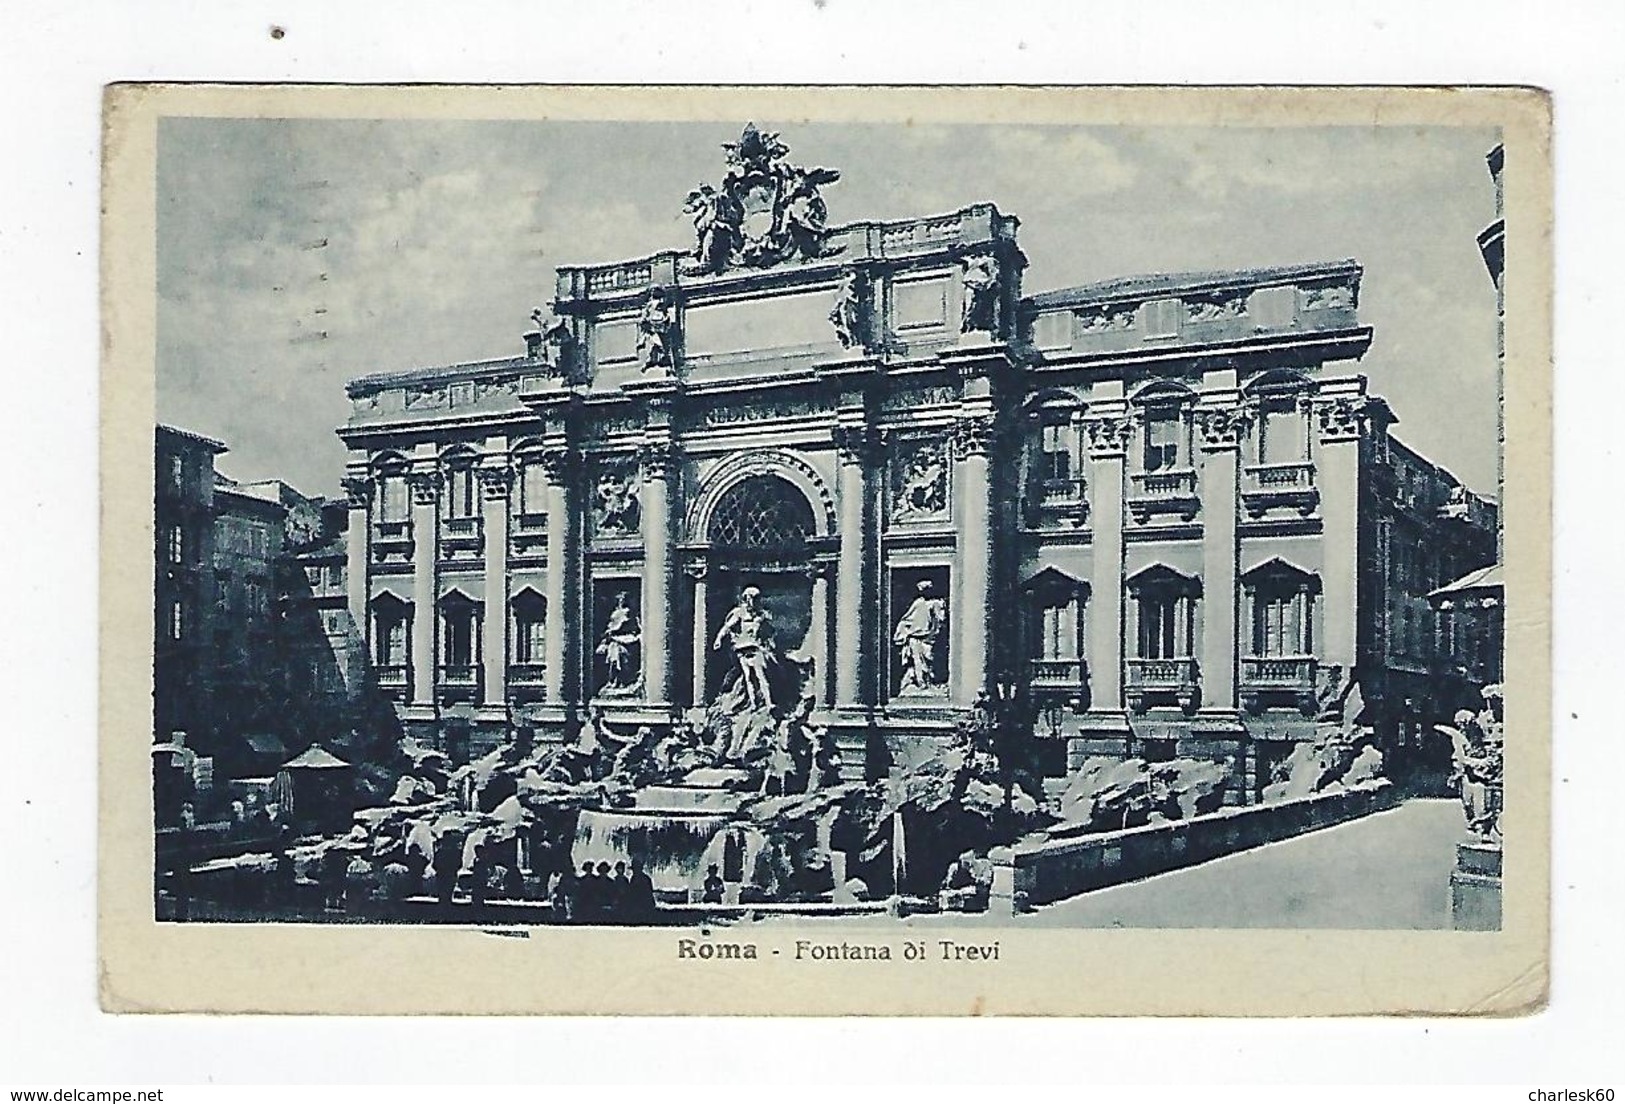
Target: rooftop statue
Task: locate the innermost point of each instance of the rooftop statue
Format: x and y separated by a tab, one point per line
766	210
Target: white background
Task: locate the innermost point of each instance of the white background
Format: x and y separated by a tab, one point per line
54	60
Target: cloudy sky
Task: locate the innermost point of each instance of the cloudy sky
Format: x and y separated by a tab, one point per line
294	255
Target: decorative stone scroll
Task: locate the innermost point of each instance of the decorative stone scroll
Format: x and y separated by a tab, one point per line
973	435
1329	297
1343	418
1108	436
1216	308
495	480
1107	318
658	458
559	463
857	444
1222	427
425	486
357	490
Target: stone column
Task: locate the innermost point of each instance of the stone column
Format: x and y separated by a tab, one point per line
425	484
818	633
858	445
358	487
972	592
1221	428
559	464
1109	433
656	456
1342	421
495	481
697	571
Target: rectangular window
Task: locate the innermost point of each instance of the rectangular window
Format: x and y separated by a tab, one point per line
528	646
313	575
1059	631
392	498
177	545
533	489
391	639
1282	437
1056	466
459	627
1162	434
1158	618
177	620
177	471
461	500
335	575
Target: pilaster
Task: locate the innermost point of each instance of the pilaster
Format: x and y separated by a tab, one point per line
1341	422
656	456
496	479
560	465
1109	429
858	445
1221	424
424	482
972	592
358	488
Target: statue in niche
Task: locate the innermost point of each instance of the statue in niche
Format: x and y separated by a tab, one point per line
981	285
654	331
848	315
618	647
615	509
748	631
917	636
924	484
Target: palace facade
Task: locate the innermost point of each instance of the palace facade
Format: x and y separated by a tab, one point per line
1166	506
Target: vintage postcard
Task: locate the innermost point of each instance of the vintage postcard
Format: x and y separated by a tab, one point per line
883	551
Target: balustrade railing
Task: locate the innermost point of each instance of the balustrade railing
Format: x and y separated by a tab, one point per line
1056	673
391	676
1161	674
1278	672
1168	483
459	674
1298	473
526	674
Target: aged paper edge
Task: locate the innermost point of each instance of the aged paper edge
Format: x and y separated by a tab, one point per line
144	966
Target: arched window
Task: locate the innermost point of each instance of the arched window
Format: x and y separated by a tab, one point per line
529	626
762	513
1165	426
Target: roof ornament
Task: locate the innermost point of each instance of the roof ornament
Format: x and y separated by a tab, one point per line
766	211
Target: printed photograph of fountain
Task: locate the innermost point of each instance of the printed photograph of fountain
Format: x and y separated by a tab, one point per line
848	549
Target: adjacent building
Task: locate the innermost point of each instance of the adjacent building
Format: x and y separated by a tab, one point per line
242	656
1167	506
183	581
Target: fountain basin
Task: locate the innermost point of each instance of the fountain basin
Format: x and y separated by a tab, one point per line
670	843
685	799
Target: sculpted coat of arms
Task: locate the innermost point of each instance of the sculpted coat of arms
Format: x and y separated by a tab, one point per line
766	210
